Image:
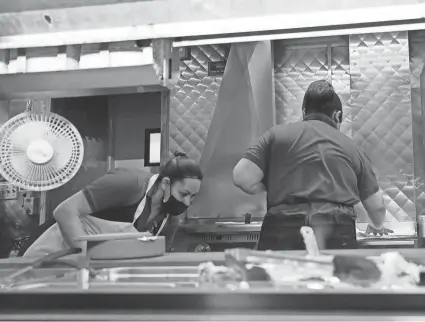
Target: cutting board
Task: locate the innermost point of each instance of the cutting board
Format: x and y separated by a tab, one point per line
122	246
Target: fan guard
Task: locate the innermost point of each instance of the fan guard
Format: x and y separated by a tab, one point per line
39	152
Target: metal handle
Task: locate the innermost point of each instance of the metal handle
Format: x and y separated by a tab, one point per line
254	256
310	241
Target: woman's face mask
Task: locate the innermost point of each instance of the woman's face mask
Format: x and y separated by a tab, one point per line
173	207
179	195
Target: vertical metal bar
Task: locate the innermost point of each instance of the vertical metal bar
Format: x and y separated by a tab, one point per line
4	112
111	138
419	200
329	48
273	83
44	108
165	125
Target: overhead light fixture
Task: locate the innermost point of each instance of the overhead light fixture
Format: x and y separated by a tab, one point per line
298	35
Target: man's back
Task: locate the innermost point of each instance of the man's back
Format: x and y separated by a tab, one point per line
313	175
311	161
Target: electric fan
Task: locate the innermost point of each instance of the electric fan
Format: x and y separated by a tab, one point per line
39	151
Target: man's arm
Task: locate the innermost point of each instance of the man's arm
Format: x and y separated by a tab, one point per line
376	210
371	195
249	172
248	177
111	190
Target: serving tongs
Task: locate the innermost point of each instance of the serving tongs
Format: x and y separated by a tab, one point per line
15	279
351	269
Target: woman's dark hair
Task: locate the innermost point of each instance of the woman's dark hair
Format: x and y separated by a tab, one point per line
321	97
180	167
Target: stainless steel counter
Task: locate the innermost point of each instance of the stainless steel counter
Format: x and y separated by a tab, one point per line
133	303
123	315
191	259
222	233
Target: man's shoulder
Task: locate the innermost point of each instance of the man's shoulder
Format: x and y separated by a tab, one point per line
291	131
288	128
289	125
347	141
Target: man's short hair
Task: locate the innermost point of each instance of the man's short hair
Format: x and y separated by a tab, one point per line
321	97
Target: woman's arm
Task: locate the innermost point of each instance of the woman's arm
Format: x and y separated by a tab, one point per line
115	189
68	214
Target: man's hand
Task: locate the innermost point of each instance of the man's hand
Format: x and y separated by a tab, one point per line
383	231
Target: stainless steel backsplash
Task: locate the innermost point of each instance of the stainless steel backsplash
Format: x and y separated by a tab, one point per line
377	77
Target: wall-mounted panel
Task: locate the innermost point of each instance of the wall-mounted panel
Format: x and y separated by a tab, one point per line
194	99
131	115
417	64
300	62
341	81
295	69
382	117
90	116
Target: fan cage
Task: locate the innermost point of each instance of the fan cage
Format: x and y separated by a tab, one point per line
65	139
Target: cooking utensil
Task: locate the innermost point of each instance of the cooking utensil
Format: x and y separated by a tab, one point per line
112	236
310	241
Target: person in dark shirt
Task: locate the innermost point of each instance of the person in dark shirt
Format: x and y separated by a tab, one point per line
313	176
124	200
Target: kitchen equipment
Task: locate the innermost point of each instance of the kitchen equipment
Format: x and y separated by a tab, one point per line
39	152
123	246
310	241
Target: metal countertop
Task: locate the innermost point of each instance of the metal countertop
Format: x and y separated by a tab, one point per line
189	259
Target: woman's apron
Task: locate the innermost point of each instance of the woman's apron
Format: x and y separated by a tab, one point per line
333	224
52	240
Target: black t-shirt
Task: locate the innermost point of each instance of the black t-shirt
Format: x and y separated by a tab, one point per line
311	161
116	195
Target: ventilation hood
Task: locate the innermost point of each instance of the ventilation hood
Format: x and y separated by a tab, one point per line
243	112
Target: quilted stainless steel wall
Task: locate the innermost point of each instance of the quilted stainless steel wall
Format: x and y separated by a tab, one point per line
300	62
371	75
193	101
381	115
